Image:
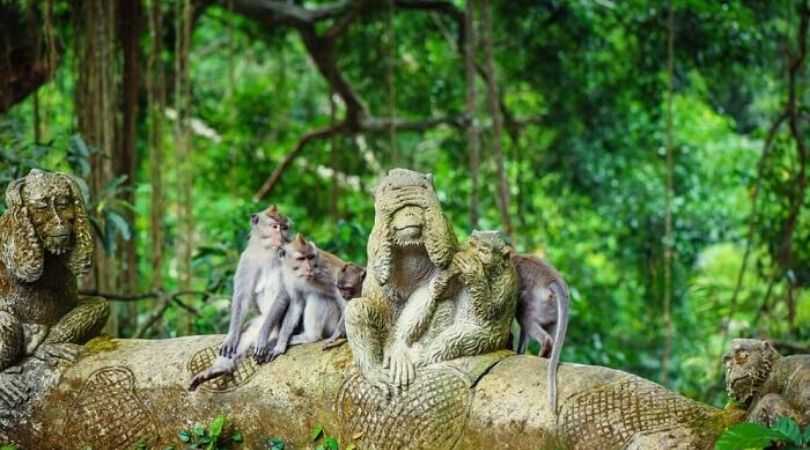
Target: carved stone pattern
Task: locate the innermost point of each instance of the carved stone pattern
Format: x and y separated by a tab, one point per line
431	414
203	359
108	414
610	416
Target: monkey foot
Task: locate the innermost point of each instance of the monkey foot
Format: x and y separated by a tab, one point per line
333	342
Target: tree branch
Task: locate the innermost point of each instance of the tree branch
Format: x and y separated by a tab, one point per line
288	159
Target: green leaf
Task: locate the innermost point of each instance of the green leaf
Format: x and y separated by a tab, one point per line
789	428
316	433
331	443
198	430
216	426
120	224
351	447
237	437
185	436
275	444
747	435
806	437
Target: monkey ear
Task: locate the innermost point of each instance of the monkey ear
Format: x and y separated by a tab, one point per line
254	219
21	251
81	257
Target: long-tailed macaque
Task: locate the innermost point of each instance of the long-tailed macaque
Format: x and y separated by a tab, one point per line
309	277
542	310
349	283
256	282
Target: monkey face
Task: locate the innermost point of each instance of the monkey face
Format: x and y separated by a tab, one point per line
272	226
350	281
748	365
302	258
407	225
51	209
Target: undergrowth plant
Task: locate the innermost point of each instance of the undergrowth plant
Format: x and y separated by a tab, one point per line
785	434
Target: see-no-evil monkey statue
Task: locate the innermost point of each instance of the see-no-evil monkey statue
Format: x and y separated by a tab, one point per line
412	244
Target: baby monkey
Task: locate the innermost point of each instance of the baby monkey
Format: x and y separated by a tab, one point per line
349	284
257	274
309	277
542	310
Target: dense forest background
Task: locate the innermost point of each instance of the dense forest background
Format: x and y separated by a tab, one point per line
654	151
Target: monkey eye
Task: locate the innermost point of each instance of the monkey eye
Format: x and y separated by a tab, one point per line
275	226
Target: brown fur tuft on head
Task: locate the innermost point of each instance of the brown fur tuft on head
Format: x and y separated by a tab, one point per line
21	251
272	212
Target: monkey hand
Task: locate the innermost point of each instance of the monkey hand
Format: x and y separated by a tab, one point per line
401	370
230	345
333	342
267	357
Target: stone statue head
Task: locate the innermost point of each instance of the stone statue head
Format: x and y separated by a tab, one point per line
271	224
491	247
748	365
408	214
46	215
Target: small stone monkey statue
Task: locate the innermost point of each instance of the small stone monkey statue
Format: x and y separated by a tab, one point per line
45	243
767	384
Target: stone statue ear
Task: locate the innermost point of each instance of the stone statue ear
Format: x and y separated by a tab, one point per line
768	346
21	251
80	260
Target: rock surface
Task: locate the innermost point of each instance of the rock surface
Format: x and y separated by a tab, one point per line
122	392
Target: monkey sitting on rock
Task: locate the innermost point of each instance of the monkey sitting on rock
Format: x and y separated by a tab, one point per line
256	282
310	296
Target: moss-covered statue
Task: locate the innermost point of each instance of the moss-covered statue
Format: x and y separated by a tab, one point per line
426	301
45	243
767	384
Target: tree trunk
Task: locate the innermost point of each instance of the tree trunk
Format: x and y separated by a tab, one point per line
157	106
116	396
96	111
130	27
473	147
497	119
185	178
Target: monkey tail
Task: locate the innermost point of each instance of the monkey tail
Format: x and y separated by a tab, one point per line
561	292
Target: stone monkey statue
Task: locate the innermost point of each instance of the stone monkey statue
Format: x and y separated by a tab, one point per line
542	310
311	298
412	244
485	315
257	281
767	384
45	243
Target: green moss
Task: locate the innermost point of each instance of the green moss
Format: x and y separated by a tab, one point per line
101	344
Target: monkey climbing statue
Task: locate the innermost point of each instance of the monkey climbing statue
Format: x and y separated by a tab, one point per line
45	243
767	384
410	245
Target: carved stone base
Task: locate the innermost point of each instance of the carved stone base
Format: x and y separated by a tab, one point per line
123	393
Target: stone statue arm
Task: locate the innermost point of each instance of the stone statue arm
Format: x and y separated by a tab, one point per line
80	324
367	319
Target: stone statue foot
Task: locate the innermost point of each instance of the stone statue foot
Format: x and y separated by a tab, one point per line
13	392
53	353
34	335
401	370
